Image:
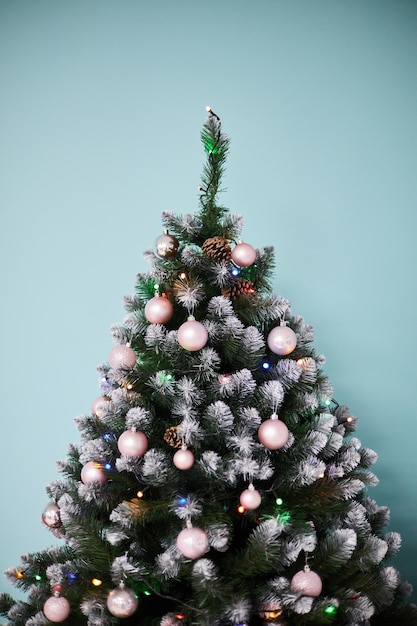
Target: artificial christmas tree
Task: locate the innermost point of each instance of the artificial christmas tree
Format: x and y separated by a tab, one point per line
217	481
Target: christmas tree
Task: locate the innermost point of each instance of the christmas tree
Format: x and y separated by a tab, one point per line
217	481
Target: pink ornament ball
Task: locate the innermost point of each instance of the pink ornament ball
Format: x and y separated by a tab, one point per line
100	406
56	609
166	247
243	255
250	499
192	335
192	542
132	443
93	472
273	434
282	340
307	583
159	310
51	516
183	459
122	357
122	602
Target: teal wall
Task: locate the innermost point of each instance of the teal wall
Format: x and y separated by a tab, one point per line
100	113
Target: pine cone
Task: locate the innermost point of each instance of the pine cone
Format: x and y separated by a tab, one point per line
172	438
217	249
241	287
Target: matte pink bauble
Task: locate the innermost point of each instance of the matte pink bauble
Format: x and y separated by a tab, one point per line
122	602
307	582
56	609
282	340
273	434
159	310
132	443
250	499
51	516
243	255
183	459
93	472
192	542
100	405
122	357
192	335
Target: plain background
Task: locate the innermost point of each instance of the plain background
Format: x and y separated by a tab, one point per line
101	108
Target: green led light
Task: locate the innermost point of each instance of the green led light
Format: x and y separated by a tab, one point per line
279	501
330	610
37	577
166	377
147	593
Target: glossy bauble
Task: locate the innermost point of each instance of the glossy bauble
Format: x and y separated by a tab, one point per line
183	459
307	583
51	516
132	443
282	340
192	542
192	335
166	247
122	357
93	472
159	310
250	498
243	255
273	434
56	609
100	406
122	602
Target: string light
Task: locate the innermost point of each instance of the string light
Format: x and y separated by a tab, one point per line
279	501
266	365
180	616
37	577
241	509
330	610
19	574
96	582
140	494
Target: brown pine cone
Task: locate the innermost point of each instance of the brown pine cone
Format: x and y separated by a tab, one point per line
172	438
241	287
217	249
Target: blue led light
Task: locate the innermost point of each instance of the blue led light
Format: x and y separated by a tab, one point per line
107	466
266	365
235	271
182	501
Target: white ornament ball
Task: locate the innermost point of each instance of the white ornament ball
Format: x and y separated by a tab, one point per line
192	542
183	459
132	443
250	499
51	516
159	310
56	609
282	340
122	357
273	434
93	472
243	255
100	406
307	582
122	602
192	335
